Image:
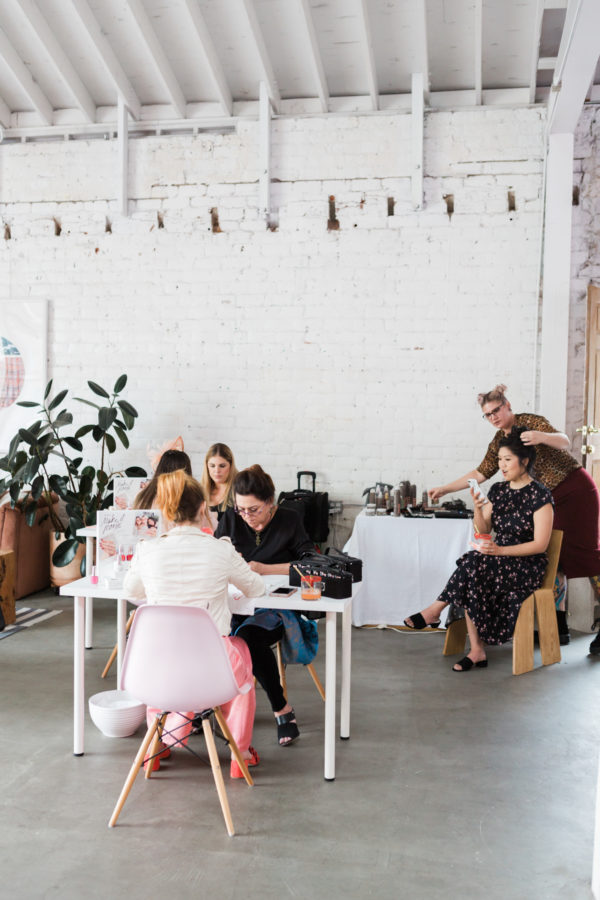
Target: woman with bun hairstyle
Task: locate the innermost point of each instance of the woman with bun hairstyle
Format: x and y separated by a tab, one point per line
187	566
575	495
491	582
269	537
217	478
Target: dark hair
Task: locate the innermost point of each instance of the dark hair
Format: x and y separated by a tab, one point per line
178	496
496	395
170	461
514	443
254	481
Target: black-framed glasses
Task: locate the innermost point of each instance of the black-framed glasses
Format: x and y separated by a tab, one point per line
493	412
252	511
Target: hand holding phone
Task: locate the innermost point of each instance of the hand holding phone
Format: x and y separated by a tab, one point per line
477	490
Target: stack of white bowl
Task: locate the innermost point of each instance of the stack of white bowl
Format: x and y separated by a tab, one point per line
116	713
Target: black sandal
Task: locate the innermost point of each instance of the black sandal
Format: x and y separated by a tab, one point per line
466	664
418	622
287	727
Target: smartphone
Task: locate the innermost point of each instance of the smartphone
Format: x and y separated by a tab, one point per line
477	489
283	592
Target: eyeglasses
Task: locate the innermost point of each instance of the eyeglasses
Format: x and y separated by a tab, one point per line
252	511
492	412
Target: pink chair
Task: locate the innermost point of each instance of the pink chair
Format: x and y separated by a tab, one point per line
175	660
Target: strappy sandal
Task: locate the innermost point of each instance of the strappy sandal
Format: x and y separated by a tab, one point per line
418	622
287	727
466	664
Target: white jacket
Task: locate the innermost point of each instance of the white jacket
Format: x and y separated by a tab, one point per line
188	566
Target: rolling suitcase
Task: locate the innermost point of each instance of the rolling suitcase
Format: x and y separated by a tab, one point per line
312	506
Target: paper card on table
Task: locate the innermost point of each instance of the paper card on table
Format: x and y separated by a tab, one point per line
118	532
125	490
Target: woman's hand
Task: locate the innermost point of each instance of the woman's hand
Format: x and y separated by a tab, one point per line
108	547
489	548
437	493
478	500
531	438
258	567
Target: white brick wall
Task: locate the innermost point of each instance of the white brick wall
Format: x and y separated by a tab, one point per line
357	352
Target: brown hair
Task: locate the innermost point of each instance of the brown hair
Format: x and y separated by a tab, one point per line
206	481
179	496
170	461
254	481
496	395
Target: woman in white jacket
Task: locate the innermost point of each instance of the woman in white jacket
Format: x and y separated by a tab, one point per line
188	566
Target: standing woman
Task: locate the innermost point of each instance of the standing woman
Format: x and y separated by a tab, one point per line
217	479
575	495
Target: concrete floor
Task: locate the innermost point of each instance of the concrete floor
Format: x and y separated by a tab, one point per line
478	785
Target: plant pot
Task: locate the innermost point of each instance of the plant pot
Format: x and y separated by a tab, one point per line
60	575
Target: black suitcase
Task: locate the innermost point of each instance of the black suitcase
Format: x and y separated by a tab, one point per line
312	506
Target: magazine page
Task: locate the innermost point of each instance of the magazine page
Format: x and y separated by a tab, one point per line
118	531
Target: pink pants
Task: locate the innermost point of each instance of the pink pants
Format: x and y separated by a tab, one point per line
238	713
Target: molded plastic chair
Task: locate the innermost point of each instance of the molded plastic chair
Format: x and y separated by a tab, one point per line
175	660
541	602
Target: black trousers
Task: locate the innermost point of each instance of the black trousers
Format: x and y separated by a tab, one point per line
264	664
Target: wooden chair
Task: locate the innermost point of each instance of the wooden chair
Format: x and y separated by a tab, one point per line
540	603
309	666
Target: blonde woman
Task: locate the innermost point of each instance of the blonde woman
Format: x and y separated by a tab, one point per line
217	478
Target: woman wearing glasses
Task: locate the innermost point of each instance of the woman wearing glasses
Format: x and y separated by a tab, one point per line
269	538
575	495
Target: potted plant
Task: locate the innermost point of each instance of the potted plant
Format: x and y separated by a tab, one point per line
35	453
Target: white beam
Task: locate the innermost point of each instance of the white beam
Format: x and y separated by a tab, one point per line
417	127
535	50
547	62
210	55
367	42
268	75
123	154
158	56
36	97
315	56
58	57
264	180
577	60
556	279
422	43
4	114
478	50
107	57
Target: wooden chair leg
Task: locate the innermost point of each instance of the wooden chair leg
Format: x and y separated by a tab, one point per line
218	775
316	679
547	626
456	637
281	667
232	743
113	654
133	772
523	638
160	724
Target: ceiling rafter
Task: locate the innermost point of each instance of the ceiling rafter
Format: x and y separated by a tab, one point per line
577	60
268	75
107	56
35	95
478	51
367	42
535	52
4	114
59	58
315	55
211	57
422	43
158	56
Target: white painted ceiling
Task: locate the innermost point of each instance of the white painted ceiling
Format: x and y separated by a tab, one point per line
64	64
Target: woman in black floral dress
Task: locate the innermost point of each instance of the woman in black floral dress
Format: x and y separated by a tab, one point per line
492	582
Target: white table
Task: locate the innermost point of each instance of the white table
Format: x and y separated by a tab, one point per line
82	589
406	563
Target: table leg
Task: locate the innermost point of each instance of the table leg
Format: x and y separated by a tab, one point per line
89	601
121	637
78	675
330	657
346	670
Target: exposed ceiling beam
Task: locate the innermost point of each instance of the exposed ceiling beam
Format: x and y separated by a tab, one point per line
106	55
36	97
268	75
157	56
478	50
535	50
422	43
4	114
315	56
210	55
58	57
367	42
547	62
577	60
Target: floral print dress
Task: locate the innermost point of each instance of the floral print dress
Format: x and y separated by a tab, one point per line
492	588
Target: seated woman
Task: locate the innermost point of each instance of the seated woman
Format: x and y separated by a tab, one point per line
217	481
269	537
188	566
491	582
170	461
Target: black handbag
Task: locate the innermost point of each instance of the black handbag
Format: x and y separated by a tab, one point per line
351	564
337	582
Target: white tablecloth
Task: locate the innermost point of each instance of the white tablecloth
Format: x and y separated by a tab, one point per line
406	563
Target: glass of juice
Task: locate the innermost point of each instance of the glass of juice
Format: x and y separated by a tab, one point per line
311	587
